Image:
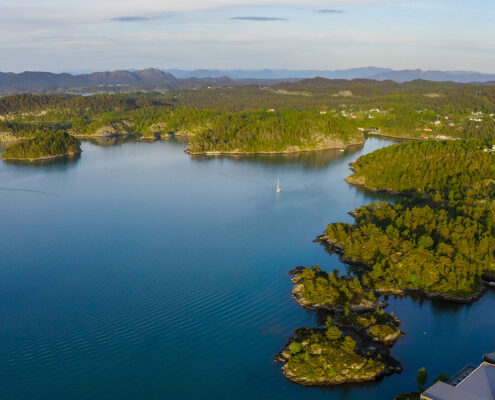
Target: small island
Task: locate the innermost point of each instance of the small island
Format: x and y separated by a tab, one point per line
322	357
354	346
317	290
43	146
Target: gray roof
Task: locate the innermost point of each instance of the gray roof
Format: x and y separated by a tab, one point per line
479	385
490	357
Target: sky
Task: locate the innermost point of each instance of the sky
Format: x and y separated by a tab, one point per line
80	35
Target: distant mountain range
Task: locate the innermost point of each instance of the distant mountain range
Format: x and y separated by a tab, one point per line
155	79
47	81
375	73
278	74
114	81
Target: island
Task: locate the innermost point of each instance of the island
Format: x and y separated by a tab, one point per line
318	290
354	346
43	146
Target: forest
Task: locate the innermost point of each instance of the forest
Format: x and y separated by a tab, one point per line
305	115
439	237
43	146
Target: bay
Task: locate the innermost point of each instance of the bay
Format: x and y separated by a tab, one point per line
139	272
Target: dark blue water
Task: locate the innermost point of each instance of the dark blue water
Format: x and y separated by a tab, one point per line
138	272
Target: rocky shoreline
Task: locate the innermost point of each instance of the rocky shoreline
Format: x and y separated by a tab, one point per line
364	306
366	347
44	158
289	150
354	346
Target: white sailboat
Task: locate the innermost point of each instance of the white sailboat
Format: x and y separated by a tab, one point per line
278	186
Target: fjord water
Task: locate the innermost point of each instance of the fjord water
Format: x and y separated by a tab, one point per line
139	272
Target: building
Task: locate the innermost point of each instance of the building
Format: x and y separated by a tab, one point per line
472	383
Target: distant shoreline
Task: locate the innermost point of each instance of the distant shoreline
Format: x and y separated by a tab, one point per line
43	158
219	153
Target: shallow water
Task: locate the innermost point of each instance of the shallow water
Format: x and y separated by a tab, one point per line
139	272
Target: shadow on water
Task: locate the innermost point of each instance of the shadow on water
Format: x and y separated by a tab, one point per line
63	163
118	140
112	140
376	195
313	160
438	306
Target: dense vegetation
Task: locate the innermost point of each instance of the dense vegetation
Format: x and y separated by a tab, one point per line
440	241
353	346
306	113
378	324
44	145
275	131
325	357
318	289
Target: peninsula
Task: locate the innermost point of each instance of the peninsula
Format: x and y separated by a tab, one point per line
438	238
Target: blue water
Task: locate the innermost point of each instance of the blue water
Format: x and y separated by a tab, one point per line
139	272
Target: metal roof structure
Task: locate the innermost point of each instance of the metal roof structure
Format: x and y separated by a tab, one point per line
477	385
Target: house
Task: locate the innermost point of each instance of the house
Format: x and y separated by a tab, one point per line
373	131
471	383
428	130
271	110
322	112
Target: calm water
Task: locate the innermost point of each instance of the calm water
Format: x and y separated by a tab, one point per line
138	272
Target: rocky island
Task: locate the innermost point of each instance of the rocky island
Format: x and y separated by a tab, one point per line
43	146
355	344
318	290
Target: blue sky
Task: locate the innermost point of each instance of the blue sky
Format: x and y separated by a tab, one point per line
57	35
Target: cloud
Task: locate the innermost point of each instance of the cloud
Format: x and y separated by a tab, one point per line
130	19
325	11
259	19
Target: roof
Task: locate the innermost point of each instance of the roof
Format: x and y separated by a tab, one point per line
490	357
479	385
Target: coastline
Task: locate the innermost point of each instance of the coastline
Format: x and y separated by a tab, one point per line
359	183
365	344
233	152
388	136
365	306
44	158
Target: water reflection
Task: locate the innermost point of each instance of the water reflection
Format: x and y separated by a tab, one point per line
313	160
63	163
113	140
376	195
